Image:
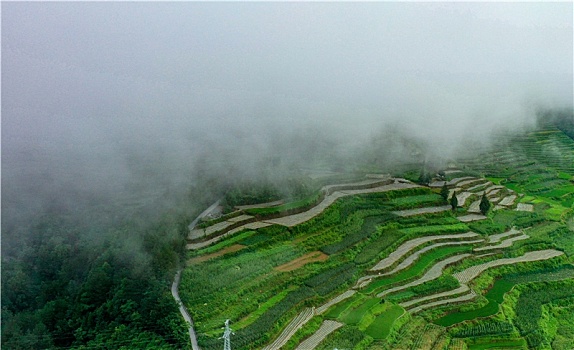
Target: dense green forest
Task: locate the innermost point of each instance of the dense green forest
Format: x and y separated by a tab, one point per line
61	289
96	276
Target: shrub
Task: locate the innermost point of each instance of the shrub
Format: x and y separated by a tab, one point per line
484	328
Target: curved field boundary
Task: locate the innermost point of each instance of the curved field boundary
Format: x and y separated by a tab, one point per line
291	328
466	183
498	237
296	219
250	226
451	182
220	228
504	244
480	187
414	257
471	217
433	273
471	295
452	190
326	328
260	205
524	207
406	247
494	200
472	272
419	211
365	184
345	295
492	190
462	197
365	280
462	289
508	201
474	207
230	249
334	192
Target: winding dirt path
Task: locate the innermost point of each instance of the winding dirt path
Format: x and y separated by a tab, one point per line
183	311
177	279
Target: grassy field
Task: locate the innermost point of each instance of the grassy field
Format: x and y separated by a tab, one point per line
380	328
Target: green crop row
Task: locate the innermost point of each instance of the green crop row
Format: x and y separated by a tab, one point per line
484	328
372	250
266	236
346	337
441	218
224	243
416	201
353	237
258	332
328	274
381	327
435	229
354	315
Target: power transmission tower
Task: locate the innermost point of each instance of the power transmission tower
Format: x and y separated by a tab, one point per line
227	336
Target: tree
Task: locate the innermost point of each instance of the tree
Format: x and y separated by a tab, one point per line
484	204
424	178
444	192
453	201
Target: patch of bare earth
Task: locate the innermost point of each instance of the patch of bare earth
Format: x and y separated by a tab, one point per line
301	261
230	249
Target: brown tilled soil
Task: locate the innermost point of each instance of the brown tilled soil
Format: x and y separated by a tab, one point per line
230	249
305	259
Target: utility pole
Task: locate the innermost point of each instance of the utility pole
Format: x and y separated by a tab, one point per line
227	336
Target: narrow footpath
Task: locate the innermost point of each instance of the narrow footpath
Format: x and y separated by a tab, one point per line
175	286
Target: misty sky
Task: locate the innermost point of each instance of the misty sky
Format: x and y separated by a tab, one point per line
91	91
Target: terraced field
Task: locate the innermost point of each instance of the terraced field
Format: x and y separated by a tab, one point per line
377	263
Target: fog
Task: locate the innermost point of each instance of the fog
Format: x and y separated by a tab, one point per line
136	100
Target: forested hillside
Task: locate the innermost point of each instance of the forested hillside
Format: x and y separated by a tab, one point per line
69	283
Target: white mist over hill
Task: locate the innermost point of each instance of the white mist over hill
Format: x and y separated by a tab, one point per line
101	99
